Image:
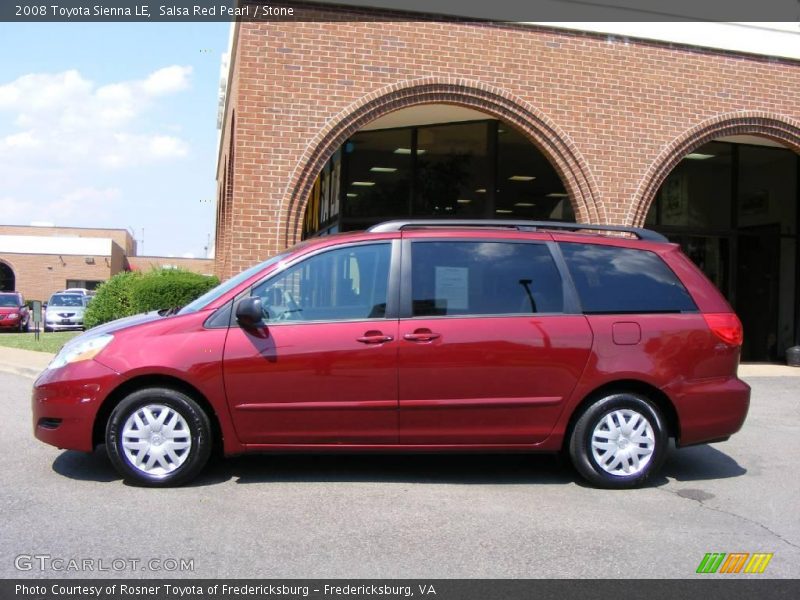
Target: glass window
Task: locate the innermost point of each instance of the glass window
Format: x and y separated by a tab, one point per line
624	280
342	284
697	193
484	278
528	187
378	178
453	170
767	188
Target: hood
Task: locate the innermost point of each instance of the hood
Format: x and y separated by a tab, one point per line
122	323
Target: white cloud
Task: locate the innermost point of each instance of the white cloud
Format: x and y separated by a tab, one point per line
167	80
64	118
76	203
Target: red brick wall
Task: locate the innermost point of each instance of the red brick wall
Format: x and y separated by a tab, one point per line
613	115
38	276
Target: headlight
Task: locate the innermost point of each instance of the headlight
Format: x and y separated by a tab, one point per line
79	351
13	316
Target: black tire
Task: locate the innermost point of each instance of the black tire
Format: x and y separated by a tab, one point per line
195	429
593	421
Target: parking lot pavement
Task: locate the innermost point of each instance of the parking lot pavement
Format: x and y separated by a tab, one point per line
407	516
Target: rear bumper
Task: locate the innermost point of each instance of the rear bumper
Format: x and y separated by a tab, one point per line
65	402
709	410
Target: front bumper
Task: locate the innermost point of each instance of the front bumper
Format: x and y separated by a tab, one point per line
11	323
57	326
65	402
710	410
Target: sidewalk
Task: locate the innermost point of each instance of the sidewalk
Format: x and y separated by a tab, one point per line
29	364
23	362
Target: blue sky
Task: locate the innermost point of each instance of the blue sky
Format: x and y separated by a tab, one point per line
112	125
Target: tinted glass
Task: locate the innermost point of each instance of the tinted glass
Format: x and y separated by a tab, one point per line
231	283
484	278
528	187
378	178
66	300
7	300
697	193
624	280
453	170
338	285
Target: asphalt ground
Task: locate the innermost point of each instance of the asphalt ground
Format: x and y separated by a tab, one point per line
444	516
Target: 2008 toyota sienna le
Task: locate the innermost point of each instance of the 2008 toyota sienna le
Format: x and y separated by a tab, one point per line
417	336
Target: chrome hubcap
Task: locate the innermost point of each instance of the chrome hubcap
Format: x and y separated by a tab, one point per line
623	442
156	440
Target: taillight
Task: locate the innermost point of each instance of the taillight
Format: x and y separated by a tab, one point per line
726	326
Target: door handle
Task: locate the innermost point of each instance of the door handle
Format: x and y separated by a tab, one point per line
374	337
421	335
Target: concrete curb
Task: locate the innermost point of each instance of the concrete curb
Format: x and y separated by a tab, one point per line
22	371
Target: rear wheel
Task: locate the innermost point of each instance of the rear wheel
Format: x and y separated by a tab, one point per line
619	441
158	437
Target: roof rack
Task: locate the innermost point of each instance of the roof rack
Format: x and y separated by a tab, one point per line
390	226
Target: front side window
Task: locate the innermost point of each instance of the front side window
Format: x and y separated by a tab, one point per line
338	285
484	278
624	280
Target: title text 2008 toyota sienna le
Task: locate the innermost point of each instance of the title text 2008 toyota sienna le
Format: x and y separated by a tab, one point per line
417	336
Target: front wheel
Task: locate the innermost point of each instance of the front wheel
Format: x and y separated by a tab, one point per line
619	441
158	437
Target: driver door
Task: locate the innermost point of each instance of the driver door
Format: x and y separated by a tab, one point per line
323	368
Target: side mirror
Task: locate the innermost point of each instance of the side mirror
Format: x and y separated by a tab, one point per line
249	312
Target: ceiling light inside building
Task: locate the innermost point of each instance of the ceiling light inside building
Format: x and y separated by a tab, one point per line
363	183
525	204
557	195
383	169
463	200
408	151
351	195
521	178
503	211
480	191
699	156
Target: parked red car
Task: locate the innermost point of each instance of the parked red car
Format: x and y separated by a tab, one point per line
416	336
14	313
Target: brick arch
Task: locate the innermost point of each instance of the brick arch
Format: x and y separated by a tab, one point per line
770	125
540	129
4	264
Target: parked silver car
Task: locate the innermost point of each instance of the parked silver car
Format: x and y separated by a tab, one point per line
65	311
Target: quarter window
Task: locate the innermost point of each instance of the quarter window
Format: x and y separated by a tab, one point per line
484	278
624	280
338	285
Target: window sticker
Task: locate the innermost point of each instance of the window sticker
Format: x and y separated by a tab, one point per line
452	288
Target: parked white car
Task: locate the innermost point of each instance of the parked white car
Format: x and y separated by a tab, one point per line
65	311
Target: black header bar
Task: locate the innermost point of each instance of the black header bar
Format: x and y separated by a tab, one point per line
368	10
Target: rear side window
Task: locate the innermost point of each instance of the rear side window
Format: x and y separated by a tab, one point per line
483	278
624	280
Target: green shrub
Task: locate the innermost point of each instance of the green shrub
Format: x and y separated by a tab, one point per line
131	293
114	300
169	288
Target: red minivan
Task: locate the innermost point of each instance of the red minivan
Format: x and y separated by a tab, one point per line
417	336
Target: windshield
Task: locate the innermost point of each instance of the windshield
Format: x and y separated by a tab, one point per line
9	300
66	300
228	285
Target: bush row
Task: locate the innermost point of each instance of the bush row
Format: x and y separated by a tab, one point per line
134	292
